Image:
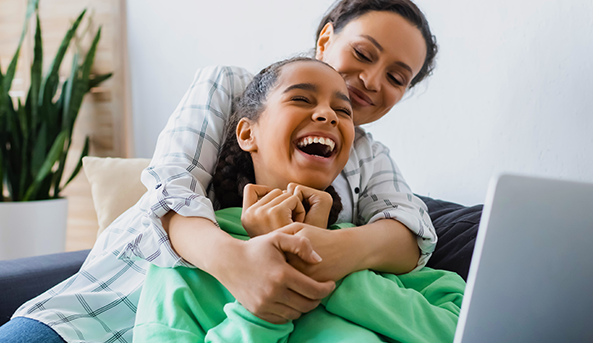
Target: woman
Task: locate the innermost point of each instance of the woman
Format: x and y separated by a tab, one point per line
189	305
98	304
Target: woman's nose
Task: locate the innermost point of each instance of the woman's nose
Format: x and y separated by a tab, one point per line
325	115
371	78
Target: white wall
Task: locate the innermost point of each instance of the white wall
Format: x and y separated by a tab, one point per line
511	91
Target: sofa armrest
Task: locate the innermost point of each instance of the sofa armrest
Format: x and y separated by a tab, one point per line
25	278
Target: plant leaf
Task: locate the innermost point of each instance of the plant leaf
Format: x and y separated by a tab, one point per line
50	83
98	79
53	156
40	149
69	89
84	153
31	8
33	97
81	86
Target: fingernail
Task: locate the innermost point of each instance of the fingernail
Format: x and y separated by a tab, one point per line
316	256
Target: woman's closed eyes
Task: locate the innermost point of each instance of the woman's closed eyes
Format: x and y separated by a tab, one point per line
368	58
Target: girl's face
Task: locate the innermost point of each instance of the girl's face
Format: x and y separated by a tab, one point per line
306	131
378	54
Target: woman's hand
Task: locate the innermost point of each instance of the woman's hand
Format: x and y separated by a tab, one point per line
385	246
319	204
254	271
266	209
259	277
338	249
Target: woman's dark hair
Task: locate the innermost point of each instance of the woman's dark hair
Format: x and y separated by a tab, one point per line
345	11
235	166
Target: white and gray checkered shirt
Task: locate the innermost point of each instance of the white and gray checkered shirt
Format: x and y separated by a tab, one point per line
98	304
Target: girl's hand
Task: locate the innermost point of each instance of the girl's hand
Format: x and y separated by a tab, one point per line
266	209
258	276
319	203
337	248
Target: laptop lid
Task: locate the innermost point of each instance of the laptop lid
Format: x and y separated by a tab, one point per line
531	275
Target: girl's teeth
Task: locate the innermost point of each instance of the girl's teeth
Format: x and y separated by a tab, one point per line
310	140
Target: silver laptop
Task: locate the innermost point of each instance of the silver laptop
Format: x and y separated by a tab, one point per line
531	275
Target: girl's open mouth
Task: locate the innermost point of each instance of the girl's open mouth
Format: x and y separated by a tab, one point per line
317	146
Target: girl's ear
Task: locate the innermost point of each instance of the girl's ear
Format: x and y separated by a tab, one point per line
324	40
246	135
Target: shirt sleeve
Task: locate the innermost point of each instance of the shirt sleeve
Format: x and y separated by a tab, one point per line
386	195
185	158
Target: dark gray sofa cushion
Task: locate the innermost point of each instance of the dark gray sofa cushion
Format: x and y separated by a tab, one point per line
457	228
25	278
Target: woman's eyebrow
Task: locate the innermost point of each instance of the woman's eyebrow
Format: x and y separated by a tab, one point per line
375	43
380	47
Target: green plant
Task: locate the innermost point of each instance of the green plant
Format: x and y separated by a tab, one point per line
35	137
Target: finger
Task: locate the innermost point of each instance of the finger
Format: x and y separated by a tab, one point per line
253	193
309	288
298	302
298	213
292	203
281	199
303	192
291	189
298	282
270	196
285	312
273	318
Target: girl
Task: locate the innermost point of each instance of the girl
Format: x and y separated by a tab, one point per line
293	124
381	48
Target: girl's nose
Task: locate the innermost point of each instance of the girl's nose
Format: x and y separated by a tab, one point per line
326	115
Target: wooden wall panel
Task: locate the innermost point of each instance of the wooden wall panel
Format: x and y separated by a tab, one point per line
104	115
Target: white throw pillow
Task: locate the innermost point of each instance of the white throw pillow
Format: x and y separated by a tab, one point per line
115	185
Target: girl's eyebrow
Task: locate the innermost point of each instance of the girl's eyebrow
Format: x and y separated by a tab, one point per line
313	88
304	86
343	96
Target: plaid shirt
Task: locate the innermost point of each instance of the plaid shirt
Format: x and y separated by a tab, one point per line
98	304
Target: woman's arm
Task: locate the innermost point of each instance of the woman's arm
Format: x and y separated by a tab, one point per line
254	271
385	245
184	161
384	196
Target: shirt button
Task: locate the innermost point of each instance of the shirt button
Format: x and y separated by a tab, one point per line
158	186
356	190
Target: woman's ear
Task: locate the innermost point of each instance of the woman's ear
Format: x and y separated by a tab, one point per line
246	135
324	40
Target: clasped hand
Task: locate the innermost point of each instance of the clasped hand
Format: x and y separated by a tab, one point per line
266	209
283	231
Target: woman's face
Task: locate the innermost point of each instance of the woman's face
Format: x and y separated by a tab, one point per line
378	54
305	133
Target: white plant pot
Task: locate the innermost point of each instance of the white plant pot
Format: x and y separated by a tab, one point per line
32	228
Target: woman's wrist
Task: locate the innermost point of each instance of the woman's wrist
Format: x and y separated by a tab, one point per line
198	240
385	245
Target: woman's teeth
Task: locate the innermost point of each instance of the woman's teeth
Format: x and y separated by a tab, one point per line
303	142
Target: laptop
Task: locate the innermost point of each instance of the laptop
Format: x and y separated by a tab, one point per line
531	275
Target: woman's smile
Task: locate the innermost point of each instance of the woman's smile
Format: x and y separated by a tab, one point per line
359	98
